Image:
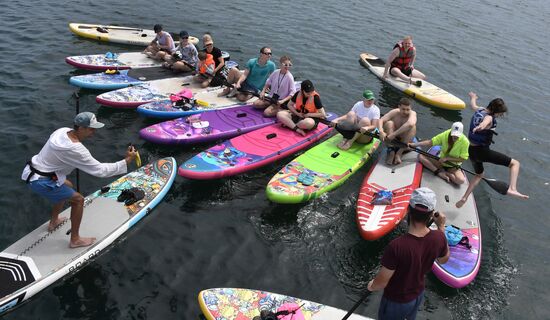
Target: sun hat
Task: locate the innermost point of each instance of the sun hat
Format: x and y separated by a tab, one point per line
87	120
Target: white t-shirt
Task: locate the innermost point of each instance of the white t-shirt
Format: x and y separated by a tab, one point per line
62	156
372	113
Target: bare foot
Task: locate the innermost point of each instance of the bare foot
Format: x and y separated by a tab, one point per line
444	176
344	144
389	158
397	159
515	193
460	203
56	223
224	92
302	132
81	242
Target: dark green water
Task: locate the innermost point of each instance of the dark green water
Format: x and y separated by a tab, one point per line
226	233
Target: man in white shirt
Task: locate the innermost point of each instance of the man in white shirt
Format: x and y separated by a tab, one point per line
46	173
363	117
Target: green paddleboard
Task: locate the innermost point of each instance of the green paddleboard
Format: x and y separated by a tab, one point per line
321	169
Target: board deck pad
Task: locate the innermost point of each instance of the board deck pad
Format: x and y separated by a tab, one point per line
326	165
125	78
245	304
428	92
374	221
464	263
250	151
119	34
124	60
41	257
208	126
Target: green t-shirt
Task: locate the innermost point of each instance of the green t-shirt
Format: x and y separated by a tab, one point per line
258	74
459	150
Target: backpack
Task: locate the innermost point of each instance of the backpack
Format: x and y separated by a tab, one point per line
183	99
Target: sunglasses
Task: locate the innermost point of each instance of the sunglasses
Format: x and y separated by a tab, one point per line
184	38
208	44
267	53
288	65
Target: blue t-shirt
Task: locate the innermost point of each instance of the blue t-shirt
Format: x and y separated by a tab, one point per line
258	74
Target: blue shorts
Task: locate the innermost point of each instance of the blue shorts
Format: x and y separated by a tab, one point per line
390	310
51	191
248	88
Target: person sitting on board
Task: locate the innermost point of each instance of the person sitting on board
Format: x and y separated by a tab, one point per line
205	69
363	117
454	150
281	89
399	124
46	173
401	62
185	56
162	45
482	126
407	259
221	71
249	83
304	110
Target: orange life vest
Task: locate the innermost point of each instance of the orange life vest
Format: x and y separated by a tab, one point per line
309	106
208	65
404	59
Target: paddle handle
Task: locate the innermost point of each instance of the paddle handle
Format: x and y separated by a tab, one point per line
356	305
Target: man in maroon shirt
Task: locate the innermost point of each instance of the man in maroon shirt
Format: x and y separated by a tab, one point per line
407	259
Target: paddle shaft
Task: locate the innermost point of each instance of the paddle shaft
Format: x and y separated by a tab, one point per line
114	28
356	305
77	171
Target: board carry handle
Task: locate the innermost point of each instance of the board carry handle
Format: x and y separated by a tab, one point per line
271	136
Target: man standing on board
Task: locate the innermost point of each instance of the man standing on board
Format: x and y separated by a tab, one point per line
407	259
46	173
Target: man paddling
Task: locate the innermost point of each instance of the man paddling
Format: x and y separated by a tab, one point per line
401	62
363	116
407	259
46	173
398	124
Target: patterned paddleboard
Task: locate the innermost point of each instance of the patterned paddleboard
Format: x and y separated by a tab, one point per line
40	258
124	60
245	304
319	170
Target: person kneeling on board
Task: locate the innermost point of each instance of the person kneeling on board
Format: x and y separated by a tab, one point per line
398	124
401	62
363	117
46	173
454	150
304	110
407	259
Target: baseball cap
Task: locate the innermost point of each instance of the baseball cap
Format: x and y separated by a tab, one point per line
87	120
424	197
307	86
184	34
157	28
367	94
456	129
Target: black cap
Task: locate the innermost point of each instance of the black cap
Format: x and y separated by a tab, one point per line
184	34
307	86
157	28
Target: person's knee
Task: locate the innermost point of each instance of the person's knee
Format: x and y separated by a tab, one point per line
514	163
282	115
459	179
77	199
364	122
388	125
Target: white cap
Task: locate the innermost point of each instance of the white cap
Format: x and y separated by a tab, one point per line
457	129
87	120
424	197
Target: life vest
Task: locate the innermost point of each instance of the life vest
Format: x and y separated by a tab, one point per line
404	59
309	106
482	137
207	66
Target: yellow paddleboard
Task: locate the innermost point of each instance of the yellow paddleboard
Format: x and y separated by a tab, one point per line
428	92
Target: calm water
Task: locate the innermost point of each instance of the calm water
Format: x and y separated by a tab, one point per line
226	233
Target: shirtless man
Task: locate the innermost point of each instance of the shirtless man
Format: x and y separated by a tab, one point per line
398	124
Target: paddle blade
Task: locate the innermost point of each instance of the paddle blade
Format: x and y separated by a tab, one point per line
497	185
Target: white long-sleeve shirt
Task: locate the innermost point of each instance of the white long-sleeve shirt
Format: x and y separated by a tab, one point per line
62	156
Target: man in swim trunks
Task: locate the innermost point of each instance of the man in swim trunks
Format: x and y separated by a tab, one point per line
363	117
46	173
398	124
401	61
480	134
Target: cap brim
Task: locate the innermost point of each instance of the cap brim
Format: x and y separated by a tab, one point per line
97	125
455	133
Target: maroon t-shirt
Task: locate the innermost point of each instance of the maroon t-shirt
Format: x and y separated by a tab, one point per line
411	257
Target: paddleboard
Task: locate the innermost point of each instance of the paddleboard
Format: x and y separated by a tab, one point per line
463	264
208	126
119	34
40	258
120	61
250	151
375	221
127	78
320	169
428	92
245	304
158	90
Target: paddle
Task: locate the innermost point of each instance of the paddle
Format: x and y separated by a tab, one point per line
77	112
356	305
114	28
497	185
